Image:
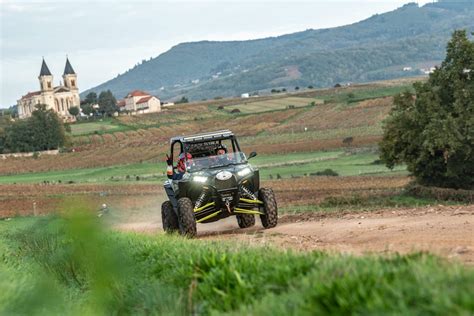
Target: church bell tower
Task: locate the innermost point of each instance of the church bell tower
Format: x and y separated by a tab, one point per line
69	76
45	78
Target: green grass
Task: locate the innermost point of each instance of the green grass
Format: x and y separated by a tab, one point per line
272	105
300	136
146	171
55	266
362	94
284	159
286	165
342	163
97	127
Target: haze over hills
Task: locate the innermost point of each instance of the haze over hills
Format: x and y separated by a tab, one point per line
374	49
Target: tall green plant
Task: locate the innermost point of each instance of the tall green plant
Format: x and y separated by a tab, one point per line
432	131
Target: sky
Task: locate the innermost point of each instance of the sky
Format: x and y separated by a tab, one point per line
105	38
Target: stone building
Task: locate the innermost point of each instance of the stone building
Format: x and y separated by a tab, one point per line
139	102
59	98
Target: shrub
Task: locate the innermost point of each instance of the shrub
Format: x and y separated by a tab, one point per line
348	141
182	100
440	194
220	107
325	172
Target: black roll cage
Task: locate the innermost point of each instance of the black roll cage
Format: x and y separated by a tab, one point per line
218	136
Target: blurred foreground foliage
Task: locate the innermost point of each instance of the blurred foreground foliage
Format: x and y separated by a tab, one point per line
68	265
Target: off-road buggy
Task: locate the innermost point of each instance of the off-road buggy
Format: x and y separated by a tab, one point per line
215	186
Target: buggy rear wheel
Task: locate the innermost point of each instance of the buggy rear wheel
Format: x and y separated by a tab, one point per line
169	217
186	219
270	208
245	220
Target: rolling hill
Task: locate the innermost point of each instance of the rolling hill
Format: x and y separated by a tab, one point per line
374	49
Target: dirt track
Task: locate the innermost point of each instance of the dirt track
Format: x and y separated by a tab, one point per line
444	230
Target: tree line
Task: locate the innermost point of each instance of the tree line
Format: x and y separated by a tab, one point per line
105	100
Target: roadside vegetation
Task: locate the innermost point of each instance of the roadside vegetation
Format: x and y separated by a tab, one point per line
72	265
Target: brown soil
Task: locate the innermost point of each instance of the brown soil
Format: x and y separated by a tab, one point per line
447	231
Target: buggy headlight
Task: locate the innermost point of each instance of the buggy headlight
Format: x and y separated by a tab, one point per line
199	179
244	172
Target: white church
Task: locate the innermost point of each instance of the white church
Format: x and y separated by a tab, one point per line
59	98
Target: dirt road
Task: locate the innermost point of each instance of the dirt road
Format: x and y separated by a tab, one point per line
444	230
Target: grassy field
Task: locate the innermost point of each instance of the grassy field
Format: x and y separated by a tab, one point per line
70	266
284	165
276	104
149	171
343	164
97	127
356	111
353	96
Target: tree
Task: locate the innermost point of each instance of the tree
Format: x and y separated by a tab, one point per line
19	137
91	98
107	103
182	100
74	111
48	129
44	130
87	109
433	130
2	140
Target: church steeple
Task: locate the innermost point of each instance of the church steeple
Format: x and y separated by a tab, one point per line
44	69
69	76
68	69
45	78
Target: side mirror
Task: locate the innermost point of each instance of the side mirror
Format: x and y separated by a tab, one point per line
252	154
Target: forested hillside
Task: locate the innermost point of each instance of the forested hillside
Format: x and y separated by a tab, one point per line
373	49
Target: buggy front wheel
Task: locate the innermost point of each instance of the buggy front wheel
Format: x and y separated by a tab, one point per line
186	219
269	218
169	217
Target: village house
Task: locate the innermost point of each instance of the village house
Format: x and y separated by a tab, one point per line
59	99
139	102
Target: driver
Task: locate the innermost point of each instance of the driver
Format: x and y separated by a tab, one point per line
221	150
221	156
